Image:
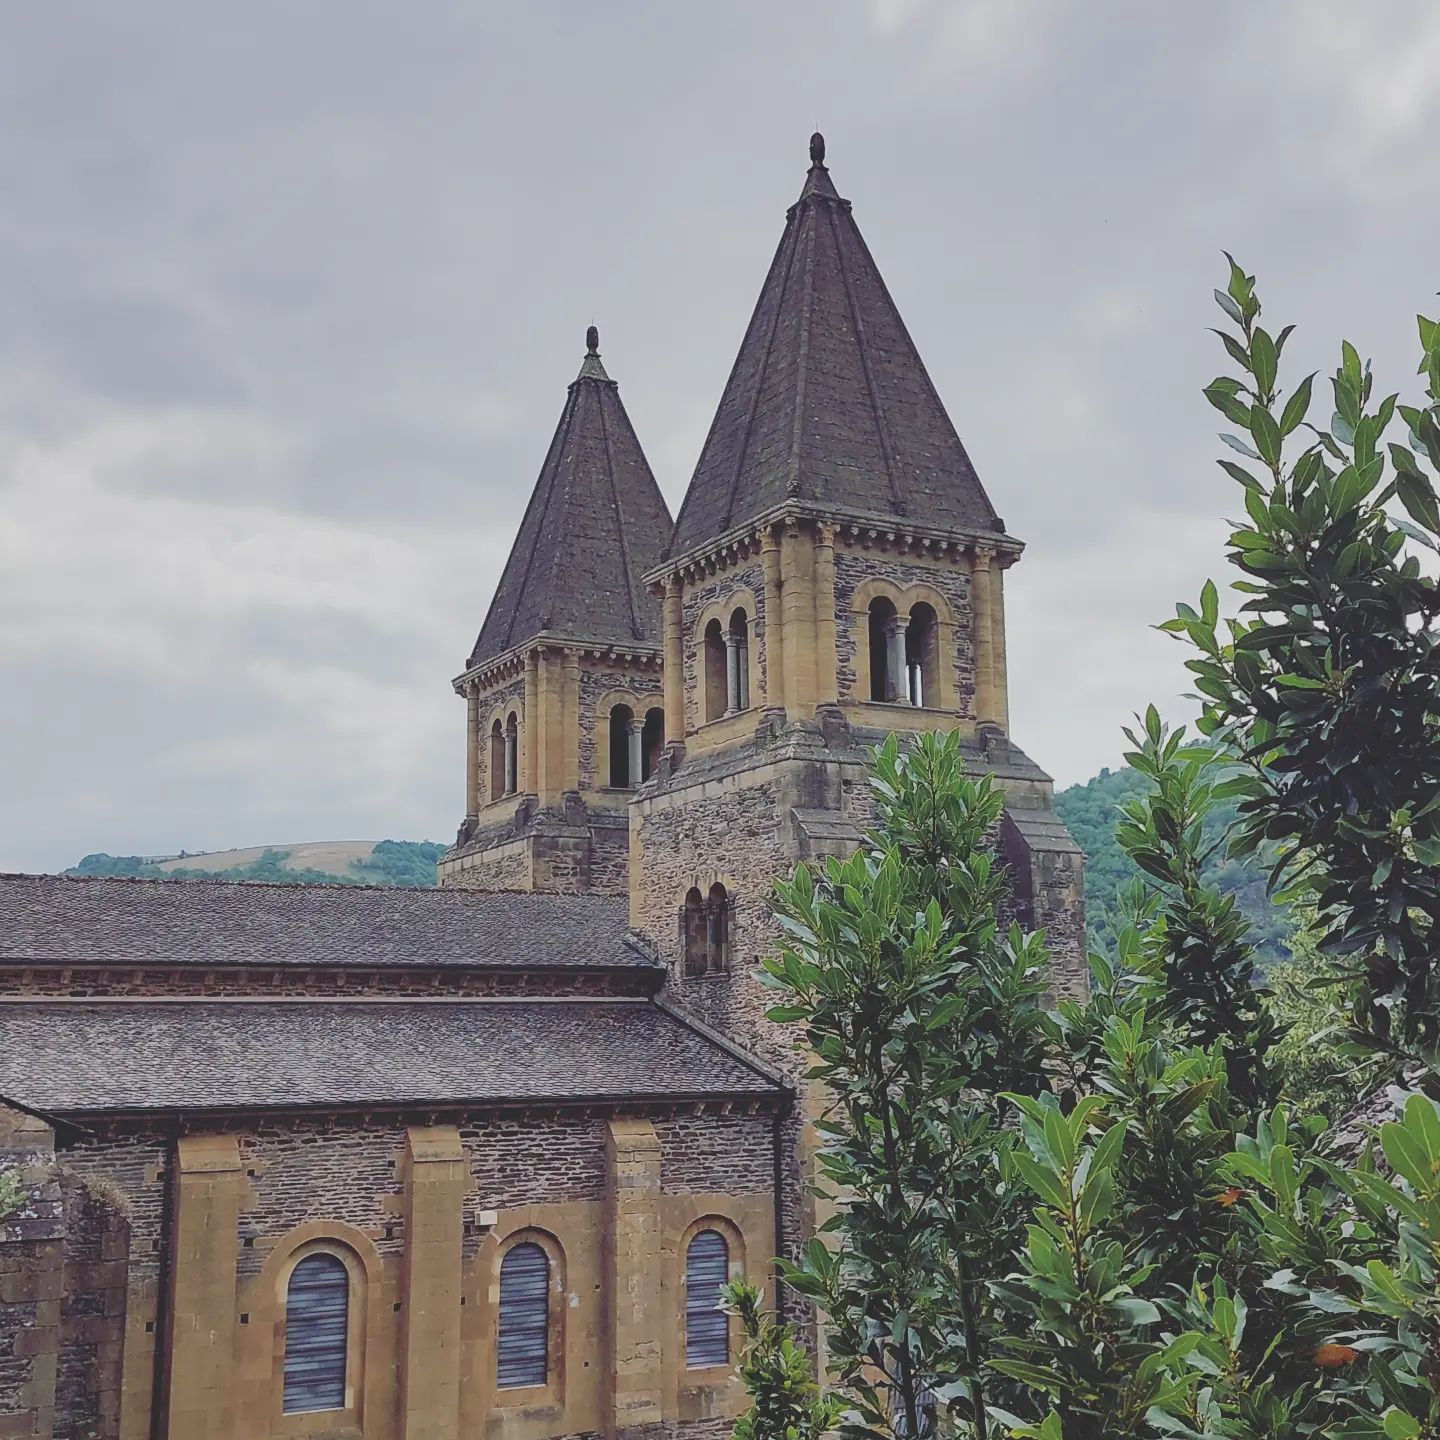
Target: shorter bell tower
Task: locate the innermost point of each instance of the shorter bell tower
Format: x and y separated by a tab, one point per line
563	691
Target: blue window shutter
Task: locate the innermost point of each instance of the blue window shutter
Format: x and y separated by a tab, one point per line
522	1353
707	1326
316	1324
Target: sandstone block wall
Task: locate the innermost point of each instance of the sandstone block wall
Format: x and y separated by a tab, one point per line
421	1213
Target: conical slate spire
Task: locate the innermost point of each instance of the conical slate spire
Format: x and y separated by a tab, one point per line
595	523
828	401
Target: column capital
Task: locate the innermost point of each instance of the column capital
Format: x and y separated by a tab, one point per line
981	556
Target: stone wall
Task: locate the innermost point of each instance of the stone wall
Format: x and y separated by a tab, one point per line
424	1213
398	982
852	570
64	1251
700	598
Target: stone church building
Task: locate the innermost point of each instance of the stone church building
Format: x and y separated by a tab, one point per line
285	1161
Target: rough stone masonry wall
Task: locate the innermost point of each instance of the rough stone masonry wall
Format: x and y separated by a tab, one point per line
696	601
853	568
597	682
299	1176
64	1248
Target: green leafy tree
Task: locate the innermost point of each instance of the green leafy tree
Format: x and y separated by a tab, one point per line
778	1374
1326	684
919	1010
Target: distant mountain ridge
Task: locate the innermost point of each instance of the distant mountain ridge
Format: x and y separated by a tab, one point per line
319	862
1092	809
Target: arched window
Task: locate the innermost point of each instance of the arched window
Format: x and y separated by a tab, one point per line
707	1326
695	934
716	691
921	655
738	639
652	742
317	1316
512	754
497	761
621	771
883	626
522	1349
717	914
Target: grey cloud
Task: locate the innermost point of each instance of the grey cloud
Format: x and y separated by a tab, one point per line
293	294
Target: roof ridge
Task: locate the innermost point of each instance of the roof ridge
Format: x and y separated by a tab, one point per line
863	345
619	505
324	887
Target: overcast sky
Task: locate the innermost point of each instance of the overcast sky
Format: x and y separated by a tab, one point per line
292	293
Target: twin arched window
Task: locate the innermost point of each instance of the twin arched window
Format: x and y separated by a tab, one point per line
317	1321
505	757
522	1350
635	745
707	1326
727	666
904	653
705	930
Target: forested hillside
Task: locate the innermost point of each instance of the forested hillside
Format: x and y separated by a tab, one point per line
389	862
1091	810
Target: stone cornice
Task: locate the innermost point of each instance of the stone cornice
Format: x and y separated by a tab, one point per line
868	531
510	664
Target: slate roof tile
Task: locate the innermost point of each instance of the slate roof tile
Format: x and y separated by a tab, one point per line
55	918
595	524
73	1058
829	401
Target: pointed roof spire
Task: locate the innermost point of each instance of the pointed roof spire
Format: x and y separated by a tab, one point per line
828	401
595	523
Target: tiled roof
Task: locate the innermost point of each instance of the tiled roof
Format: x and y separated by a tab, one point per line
78	1057
829	401
595	523
54	918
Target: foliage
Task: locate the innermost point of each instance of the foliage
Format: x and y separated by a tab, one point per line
1092	812
1203	963
1310	1009
391	863
778	1375
1326	684
885	955
14	1192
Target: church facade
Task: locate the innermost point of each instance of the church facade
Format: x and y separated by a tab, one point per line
302	1161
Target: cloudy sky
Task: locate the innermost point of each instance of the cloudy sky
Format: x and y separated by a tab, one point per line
292	293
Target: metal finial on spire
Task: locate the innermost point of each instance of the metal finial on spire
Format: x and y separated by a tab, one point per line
817	149
592	340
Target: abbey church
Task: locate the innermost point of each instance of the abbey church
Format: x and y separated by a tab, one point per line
285	1160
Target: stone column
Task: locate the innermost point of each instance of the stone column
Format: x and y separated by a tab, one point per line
547	780
732	672
1000	680
569	726
797	565
980	607
743	693
472	750
637	750
674	623
774	630
632	1379
511	778
895	659
201	1371
827	661
436	1180
529	753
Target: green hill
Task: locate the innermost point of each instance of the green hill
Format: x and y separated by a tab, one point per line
1091	811
384	862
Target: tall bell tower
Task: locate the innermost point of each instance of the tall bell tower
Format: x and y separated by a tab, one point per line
563	690
836	574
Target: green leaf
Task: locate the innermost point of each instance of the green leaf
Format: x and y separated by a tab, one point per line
1235	443
1229	307
1266	434
1263	360
1399	1425
1297	406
